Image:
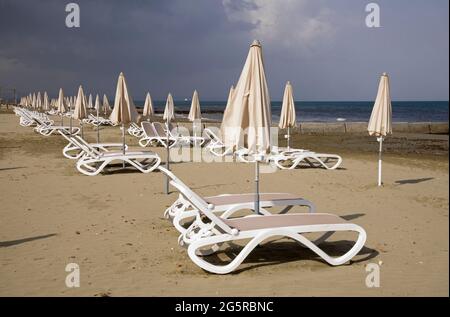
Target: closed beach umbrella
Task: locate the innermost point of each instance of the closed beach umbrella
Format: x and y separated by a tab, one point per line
60	105
46	105
195	113
169	110
148	107
380	124
249	108
39	101
227	107
97	103
80	111
288	118
124	111
97	108
90	105
106	106
33	101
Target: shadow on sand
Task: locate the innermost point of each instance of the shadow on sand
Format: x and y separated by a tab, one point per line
5	244
413	181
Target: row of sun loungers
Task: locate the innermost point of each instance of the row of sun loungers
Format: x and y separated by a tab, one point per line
91	158
282	158
41	123
207	224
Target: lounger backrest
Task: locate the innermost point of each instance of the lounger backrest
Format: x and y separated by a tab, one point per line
85	146
197	201
159	129
212	136
148	129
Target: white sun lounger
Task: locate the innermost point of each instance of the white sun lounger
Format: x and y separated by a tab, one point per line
73	151
97	121
43	125
93	161
153	138
218	231
215	145
182	211
293	158
135	130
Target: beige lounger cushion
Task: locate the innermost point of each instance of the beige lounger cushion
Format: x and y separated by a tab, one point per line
248	198
280	221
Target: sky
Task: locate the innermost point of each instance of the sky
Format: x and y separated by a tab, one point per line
322	46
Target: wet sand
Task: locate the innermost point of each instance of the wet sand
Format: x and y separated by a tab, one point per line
112	225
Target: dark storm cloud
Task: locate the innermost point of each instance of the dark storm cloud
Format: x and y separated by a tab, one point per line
181	45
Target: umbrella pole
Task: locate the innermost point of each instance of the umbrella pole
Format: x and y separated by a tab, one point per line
380	160
98	129
167	156
123	143
82	134
257	186
289	138
70	109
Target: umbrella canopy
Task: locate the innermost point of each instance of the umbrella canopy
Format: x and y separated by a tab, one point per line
90	105
80	111
124	110
97	103
227	107
380	123
249	106
169	111
106	106
148	106
194	113
60	104
288	117
33	101
46	105
38	100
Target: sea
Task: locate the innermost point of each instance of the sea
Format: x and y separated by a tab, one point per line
327	111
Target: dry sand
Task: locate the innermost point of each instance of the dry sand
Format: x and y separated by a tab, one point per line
112	225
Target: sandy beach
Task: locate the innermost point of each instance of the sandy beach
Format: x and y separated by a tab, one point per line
112	225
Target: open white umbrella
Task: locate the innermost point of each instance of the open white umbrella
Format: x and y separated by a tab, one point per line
288	118
250	109
148	107
195	114
124	111
60	105
80	111
106	106
97	108
380	124
169	115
